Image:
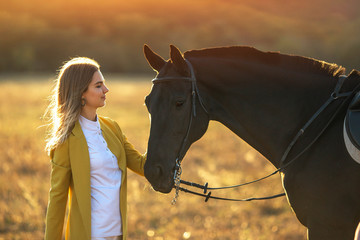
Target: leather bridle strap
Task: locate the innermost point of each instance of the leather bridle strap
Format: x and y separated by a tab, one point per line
194	88
194	94
208	196
334	96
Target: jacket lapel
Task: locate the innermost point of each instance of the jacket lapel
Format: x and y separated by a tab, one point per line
114	144
80	166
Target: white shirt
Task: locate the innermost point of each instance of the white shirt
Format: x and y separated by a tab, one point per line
105	181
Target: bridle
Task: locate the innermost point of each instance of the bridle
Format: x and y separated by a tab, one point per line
194	93
283	164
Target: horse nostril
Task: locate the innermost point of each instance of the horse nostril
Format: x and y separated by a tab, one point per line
153	172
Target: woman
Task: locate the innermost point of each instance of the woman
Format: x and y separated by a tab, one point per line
89	156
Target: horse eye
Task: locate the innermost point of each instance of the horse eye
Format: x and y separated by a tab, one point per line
179	103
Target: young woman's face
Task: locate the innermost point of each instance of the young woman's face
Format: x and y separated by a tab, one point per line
95	94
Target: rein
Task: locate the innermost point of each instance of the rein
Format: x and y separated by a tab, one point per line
207	195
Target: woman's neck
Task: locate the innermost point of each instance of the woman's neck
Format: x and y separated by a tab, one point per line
88	114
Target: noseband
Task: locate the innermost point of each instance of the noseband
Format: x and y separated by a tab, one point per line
283	163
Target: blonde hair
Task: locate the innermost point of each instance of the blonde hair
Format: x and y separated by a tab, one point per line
65	105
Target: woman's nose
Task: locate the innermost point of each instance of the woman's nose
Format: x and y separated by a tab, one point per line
105	89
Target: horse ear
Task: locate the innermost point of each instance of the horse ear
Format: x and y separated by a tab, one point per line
178	60
155	61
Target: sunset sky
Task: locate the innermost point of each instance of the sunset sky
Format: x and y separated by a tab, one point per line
36	31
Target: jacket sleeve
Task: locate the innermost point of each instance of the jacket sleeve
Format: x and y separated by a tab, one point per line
134	159
59	187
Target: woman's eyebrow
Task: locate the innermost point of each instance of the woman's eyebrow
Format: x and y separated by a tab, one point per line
101	82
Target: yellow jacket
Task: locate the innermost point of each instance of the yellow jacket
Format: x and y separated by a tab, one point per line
70	176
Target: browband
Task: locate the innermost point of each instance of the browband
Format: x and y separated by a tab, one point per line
166	79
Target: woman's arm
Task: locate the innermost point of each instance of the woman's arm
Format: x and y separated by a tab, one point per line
134	159
58	194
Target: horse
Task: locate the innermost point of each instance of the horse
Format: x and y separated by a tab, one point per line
264	98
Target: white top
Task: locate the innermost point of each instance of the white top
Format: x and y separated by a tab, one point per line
105	181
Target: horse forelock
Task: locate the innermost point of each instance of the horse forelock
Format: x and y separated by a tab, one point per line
297	63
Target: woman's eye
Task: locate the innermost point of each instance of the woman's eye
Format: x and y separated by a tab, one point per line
99	86
179	103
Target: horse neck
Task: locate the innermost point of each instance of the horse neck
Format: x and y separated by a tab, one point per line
264	105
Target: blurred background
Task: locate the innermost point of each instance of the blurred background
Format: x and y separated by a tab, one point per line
37	36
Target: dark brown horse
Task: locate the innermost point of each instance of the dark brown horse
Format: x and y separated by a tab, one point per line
264	98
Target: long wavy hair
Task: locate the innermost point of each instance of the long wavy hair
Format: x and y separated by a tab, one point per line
65	104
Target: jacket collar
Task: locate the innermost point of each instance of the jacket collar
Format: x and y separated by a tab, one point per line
77	131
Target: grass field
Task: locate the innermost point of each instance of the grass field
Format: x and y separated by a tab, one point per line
220	158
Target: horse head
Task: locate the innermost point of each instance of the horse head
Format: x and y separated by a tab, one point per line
177	118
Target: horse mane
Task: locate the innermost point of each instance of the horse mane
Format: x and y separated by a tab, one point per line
294	62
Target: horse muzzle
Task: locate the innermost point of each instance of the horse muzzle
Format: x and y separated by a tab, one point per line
160	181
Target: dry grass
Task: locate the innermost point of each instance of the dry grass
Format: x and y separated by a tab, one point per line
219	157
